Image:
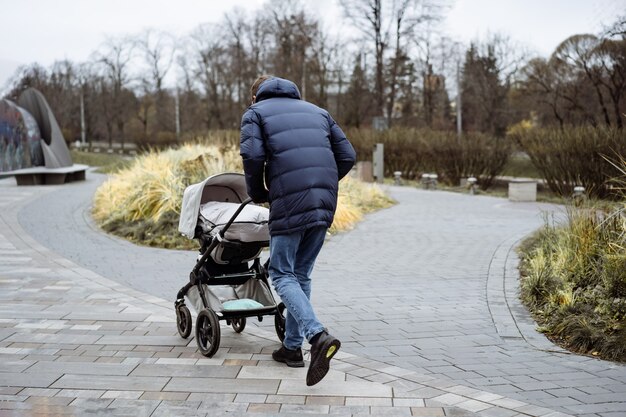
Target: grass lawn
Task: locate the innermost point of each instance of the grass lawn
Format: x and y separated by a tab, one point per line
106	162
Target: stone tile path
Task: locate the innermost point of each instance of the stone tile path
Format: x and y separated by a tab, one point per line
429	321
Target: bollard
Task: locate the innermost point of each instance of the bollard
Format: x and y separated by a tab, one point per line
378	161
397	177
579	195
433	181
425	181
471	183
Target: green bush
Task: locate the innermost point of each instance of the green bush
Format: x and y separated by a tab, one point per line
574	156
415	151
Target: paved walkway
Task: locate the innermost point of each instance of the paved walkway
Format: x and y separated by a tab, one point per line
429	320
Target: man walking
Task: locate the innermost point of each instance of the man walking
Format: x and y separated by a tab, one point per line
294	155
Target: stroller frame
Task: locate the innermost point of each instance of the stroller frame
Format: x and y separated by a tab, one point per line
207	329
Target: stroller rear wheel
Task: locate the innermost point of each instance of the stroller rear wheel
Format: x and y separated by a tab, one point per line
208	332
279	321
239	324
183	321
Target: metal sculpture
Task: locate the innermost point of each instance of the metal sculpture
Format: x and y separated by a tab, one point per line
32	147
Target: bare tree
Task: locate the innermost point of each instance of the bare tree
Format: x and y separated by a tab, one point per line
114	58
236	24
577	52
325	65
382	21
374	21
293	31
611	55
156	51
541	86
209	62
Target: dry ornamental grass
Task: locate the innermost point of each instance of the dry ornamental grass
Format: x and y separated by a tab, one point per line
143	201
574	278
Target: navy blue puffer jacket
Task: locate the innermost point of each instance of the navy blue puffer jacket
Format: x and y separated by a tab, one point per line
298	152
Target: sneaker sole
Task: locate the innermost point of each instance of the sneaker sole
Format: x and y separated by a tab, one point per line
295	364
319	368
291	364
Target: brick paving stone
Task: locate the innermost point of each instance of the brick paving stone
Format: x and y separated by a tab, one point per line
305	409
250	398
10	390
368	401
121	406
80	368
176	408
286	399
211	398
390	411
408	402
39	392
427	411
321	400
349	409
80	393
128	395
163	395
458	412
184	371
263	408
40	380
56	401
498	412
110	382
222	385
228	407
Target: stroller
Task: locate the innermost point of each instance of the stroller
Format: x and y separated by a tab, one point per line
228	281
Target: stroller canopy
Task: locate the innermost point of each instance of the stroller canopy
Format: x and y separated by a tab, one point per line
228	187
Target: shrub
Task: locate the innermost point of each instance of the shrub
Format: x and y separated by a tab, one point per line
158	140
472	154
415	151
574	279
142	202
574	156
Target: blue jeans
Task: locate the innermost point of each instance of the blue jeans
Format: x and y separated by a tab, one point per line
291	261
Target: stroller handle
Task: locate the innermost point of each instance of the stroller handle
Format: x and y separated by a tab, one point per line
232	219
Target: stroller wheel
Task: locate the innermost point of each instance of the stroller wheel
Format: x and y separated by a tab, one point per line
183	321
279	321
239	324
208	332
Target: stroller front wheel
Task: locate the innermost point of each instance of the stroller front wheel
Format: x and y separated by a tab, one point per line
183	321
208	332
239	324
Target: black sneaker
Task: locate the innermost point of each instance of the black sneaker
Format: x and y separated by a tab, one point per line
293	358
322	351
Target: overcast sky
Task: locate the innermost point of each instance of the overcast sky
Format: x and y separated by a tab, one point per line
47	30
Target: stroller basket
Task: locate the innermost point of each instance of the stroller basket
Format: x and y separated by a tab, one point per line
228	281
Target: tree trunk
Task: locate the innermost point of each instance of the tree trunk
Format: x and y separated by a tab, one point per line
380	49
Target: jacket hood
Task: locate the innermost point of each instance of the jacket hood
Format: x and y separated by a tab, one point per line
277	87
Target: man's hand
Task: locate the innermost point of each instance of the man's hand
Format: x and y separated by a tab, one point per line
259	196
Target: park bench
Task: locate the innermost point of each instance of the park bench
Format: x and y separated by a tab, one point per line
48	176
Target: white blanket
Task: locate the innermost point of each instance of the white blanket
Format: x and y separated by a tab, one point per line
249	226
